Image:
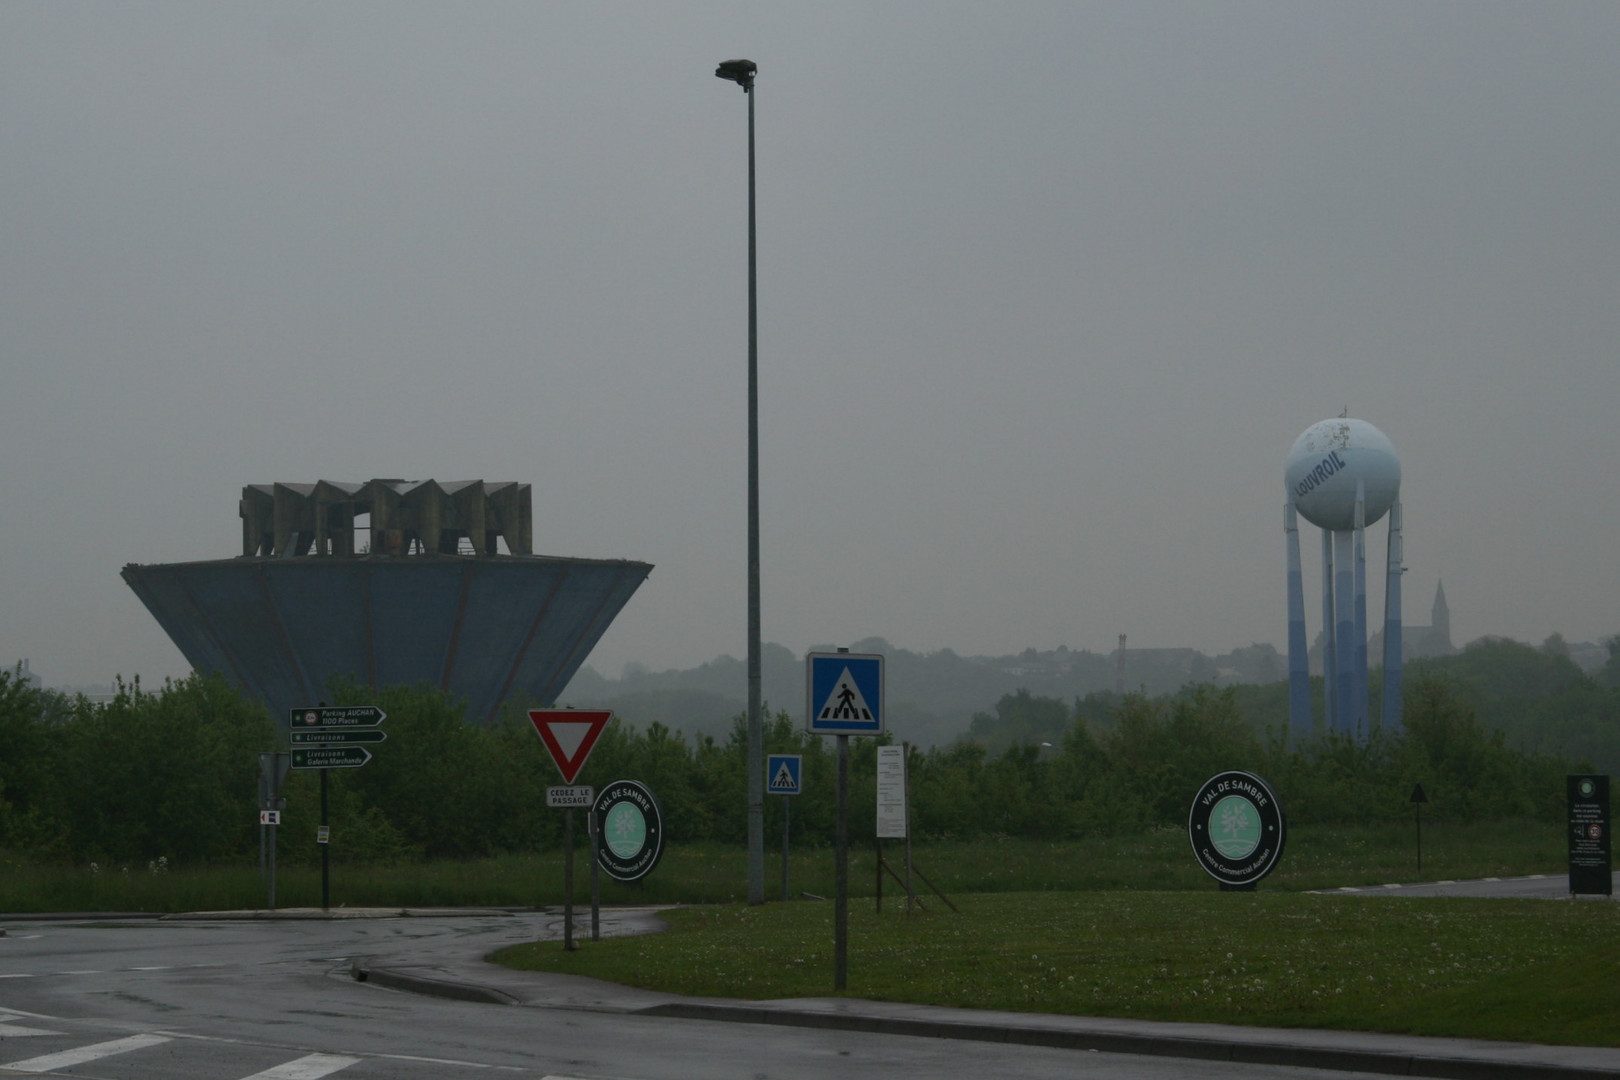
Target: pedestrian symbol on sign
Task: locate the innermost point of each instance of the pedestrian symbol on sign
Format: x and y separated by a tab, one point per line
783	779
846	703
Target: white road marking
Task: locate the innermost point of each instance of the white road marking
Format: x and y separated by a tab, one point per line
17	1031
17	975
69	1058
308	1067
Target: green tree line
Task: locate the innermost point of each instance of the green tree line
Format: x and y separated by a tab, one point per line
172	774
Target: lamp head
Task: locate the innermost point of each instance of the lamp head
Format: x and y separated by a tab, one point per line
740	72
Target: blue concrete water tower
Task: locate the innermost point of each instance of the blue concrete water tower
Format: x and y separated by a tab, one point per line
389	582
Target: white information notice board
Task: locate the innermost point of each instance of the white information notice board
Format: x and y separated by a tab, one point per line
891	792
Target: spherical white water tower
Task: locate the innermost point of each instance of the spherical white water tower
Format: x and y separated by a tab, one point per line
1342	475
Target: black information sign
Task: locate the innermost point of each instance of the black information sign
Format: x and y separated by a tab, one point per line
629	830
1590	868
1237	829
337	716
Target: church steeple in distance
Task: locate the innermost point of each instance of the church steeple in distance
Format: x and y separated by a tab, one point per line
1440	619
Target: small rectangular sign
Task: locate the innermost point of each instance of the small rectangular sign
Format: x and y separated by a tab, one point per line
1591	868
330	737
891	792
582	795
330	757
323	834
337	716
269	817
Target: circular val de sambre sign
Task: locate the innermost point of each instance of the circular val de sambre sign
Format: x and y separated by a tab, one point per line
629	830
1237	828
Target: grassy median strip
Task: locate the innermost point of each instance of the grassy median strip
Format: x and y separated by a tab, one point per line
1530	970
1318	857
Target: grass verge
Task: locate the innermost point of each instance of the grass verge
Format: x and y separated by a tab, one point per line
1529	970
1318	857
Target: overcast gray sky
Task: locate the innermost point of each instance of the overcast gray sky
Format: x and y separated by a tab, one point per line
1047	291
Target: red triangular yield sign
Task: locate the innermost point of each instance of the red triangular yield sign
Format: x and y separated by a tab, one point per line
569	735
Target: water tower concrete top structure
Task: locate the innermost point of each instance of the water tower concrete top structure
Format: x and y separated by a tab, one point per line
389	582
1328	462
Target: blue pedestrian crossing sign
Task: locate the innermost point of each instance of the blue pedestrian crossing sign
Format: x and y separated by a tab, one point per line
783	773
845	694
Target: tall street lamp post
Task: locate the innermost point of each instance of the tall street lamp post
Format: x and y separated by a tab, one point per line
742	73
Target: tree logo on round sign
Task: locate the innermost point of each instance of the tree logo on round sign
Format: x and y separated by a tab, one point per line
625	830
1237	828
629	830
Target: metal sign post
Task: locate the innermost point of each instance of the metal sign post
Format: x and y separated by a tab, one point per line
568	880
320	735
783	773
273	768
843	697
324	839
841	872
569	736
569	798
596	880
1418	799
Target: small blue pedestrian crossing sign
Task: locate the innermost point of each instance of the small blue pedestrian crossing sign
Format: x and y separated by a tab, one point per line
783	773
845	694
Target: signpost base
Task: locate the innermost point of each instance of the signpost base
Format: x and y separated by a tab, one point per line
841	872
568	880
911	895
326	851
596	880
786	815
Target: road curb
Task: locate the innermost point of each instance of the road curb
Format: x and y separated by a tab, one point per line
75	916
1235	1050
418	984
339	913
1249	1053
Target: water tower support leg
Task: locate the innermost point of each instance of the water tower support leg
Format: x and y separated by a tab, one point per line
1299	661
1344	629
1360	726
1330	668
1390	720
